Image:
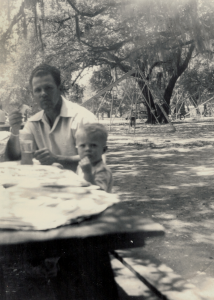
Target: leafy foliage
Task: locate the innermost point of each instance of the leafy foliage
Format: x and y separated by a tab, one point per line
198	80
157	37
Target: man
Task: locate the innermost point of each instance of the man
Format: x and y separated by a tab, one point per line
53	128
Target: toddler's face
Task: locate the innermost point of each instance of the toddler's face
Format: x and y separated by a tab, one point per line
89	146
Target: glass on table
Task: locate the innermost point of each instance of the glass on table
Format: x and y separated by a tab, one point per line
26	146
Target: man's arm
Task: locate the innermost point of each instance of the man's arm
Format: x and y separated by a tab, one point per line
13	151
46	157
70	163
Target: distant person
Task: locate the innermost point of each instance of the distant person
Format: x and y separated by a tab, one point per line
91	144
205	110
2	116
132	120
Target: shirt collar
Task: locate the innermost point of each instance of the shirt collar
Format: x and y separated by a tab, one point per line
67	110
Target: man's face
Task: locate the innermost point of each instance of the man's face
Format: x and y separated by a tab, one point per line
89	146
45	92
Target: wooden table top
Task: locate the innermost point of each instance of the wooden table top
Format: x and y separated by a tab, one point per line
116	221
117	227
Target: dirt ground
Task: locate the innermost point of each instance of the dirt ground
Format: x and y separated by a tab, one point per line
169	177
166	176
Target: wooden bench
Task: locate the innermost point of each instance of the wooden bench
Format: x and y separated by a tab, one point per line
149	279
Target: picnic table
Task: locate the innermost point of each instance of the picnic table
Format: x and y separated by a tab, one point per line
6	127
83	246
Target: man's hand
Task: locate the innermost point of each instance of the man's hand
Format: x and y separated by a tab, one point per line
45	156
85	165
15	121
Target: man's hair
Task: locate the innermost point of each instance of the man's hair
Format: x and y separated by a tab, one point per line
45	69
95	129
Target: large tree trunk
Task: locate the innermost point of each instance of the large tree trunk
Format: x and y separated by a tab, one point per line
174	78
161	118
156	114
149	103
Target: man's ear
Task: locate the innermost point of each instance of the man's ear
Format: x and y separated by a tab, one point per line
61	89
31	92
105	148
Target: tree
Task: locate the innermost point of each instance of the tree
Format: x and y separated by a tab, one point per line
22	41
126	44
156	37
198	81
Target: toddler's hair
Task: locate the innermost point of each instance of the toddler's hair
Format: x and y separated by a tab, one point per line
95	129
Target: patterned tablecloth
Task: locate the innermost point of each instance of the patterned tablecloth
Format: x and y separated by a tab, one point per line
44	197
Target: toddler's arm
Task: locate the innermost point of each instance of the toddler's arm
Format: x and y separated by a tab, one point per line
103	179
86	167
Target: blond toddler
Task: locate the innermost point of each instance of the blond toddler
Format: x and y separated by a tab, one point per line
91	145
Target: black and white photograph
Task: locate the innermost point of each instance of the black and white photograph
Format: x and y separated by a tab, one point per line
106	149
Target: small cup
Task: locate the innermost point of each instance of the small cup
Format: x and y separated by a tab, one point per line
26	145
26	152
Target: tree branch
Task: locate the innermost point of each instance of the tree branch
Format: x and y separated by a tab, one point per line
181	44
5	36
113	47
178	54
173	79
123	67
77	77
77	27
187	59
99	11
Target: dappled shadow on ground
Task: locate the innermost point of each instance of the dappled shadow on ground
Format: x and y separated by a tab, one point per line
155	273
129	286
181	127
175	188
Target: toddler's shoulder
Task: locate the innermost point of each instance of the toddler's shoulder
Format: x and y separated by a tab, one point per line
102	167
